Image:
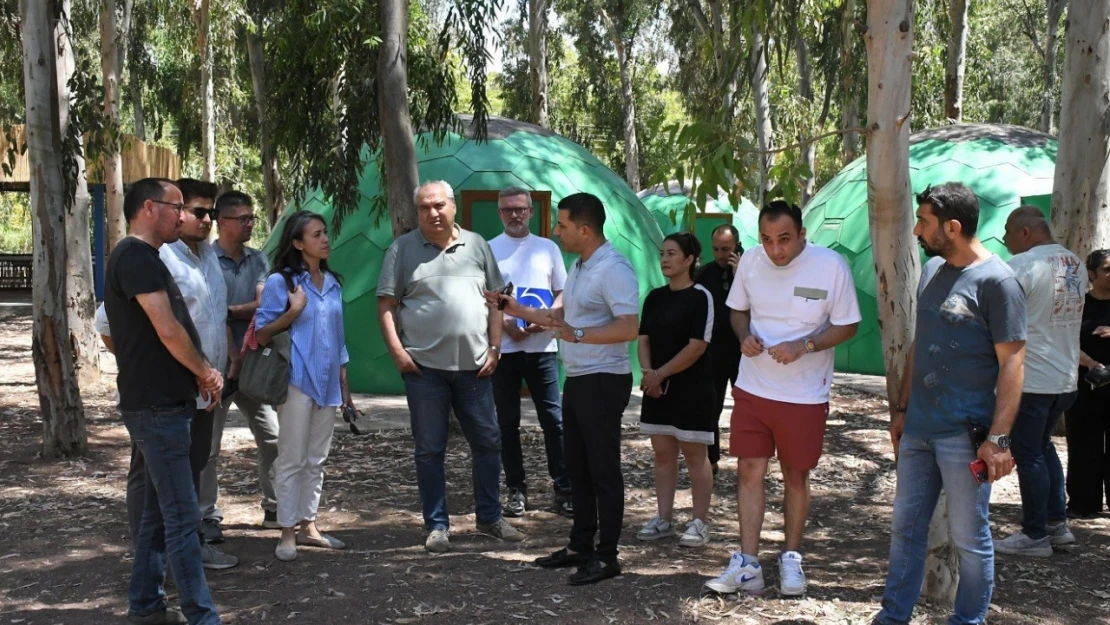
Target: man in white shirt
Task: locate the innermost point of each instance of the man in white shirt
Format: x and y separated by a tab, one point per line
1055	283
535	267
792	302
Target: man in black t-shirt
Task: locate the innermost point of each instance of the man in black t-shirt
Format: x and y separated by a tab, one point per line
161	371
717	278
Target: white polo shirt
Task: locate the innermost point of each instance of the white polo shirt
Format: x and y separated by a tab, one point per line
787	304
598	291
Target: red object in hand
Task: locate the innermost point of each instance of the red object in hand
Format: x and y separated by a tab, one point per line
979	470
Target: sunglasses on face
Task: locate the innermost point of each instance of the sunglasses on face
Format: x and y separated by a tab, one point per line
199	212
244	220
176	207
514	210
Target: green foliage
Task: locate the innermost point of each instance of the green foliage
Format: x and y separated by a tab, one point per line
15	223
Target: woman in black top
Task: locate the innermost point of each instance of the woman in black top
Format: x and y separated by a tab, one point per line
679	410
1088	421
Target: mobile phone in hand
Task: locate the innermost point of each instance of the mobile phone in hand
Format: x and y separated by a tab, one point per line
979	470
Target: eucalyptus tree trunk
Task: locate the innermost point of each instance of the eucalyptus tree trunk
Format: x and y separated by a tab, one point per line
537	60
111	163
1080	216
1048	101
202	15
631	145
274	198
764	129
401	175
849	106
957	57
805	89
135	88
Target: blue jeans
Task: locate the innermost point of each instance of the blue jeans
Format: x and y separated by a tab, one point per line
541	373
1040	474
925	466
430	397
168	530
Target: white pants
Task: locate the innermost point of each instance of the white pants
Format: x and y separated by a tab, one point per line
304	440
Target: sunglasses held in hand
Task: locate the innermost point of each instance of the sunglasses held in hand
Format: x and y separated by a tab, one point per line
507	291
350	415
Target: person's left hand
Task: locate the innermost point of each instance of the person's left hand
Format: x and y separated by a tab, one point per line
235	365
535	328
1102	332
788	352
651	384
999	462
490	365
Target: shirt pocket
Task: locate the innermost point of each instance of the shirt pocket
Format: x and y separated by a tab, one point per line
808	313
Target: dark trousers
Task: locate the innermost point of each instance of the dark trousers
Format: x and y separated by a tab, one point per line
1040	476
1088	431
200	446
724	377
592	408
541	373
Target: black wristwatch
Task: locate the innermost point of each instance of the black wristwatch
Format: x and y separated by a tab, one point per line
1002	440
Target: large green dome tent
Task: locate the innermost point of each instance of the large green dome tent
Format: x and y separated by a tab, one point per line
668	204
514	154
1006	166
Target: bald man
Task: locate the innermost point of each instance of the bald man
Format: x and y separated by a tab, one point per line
1054	282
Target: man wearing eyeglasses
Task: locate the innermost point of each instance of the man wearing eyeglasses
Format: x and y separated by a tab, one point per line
244	272
535	266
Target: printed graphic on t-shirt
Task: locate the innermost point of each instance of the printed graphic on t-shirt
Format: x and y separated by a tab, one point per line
535	298
1067	298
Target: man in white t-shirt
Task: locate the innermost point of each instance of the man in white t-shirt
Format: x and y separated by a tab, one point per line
1055	283
792	302
534	266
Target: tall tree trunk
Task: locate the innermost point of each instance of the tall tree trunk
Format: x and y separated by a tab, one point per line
805	89
889	53
134	86
56	343
401	175
849	106
137	112
537	60
957	55
208	101
764	129
111	164
631	146
1080	216
1048	100
274	199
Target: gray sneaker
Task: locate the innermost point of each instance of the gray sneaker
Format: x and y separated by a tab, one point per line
1060	534
656	528
169	616
1021	545
215	559
437	541
211	530
502	530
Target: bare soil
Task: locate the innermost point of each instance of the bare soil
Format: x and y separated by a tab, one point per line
64	548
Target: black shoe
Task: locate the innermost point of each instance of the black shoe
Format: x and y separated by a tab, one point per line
562	559
594	572
1081	515
269	520
564	506
516	504
169	616
210	529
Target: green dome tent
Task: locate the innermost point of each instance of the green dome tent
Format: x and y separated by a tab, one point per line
1006	166
514	154
667	205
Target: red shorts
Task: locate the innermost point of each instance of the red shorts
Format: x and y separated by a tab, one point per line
760	425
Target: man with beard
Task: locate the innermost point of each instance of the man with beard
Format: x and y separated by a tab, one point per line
969	341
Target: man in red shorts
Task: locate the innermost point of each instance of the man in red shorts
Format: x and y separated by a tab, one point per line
792	302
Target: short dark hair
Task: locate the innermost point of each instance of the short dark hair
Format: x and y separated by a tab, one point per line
585	210
140	192
953	201
731	228
230	200
1096	259
781	208
689	245
191	188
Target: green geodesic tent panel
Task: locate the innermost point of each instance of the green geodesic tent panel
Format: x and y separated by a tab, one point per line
668	205
1005	165
514	153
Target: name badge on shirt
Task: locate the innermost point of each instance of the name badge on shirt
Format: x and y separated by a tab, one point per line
808	293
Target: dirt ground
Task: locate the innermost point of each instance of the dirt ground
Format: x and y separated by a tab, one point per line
64	549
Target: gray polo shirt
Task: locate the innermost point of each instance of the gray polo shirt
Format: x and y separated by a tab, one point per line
443	320
243	277
597	292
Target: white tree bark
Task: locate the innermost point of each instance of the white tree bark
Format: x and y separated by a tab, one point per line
274	199
111	163
957	56
537	60
57	344
805	89
402	177
202	15
764	129
1048	100
849	106
631	145
1080	216
135	87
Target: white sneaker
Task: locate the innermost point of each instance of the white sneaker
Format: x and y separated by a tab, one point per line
656	528
1021	545
792	581
696	534
1060	534
743	574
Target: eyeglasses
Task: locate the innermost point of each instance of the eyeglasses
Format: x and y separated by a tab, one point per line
244	220
199	212
176	207
514	210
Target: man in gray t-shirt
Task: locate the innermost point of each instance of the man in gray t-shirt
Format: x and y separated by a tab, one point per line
446	344
960	392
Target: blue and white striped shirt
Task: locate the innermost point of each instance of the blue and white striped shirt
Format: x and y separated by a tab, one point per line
319	348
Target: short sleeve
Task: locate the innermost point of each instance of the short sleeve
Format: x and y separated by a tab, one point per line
136	275
622	292
845	303
275	299
389	278
738	293
701	315
1004	309
558	268
263	264
494	281
101	321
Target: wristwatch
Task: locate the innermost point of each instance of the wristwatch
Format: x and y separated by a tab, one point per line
496	348
578	334
1002	440
811	346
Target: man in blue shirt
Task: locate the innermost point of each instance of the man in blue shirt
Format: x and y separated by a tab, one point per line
970	341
